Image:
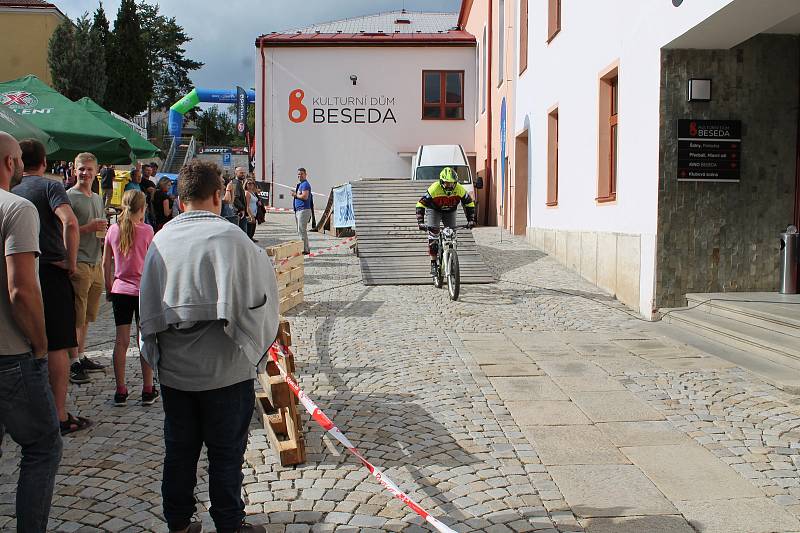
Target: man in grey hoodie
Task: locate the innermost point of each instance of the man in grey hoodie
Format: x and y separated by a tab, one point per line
209	312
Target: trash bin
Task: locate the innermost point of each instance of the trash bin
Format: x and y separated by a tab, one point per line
790	242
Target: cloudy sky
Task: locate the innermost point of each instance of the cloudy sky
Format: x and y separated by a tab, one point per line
224	37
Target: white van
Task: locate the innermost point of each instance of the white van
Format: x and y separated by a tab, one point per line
432	158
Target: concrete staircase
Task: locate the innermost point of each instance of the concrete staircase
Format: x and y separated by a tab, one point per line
766	325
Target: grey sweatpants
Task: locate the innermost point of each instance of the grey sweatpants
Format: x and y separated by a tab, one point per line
434	218
303	218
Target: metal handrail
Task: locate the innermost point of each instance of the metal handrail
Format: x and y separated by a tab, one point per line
171	152
190	151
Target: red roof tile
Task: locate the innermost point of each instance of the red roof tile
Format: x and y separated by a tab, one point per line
450	38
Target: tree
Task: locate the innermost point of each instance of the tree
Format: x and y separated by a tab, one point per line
102	37
239	140
164	40
216	127
77	60
128	73
90	58
61	57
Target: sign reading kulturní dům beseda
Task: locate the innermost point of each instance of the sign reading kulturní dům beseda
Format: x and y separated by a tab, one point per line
709	150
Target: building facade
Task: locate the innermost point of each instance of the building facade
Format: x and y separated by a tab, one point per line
356	98
645	189
25	30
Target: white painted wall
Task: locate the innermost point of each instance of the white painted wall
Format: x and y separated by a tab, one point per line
336	153
566	73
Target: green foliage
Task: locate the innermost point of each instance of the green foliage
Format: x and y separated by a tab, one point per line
128	75
61	58
165	42
216	127
142	62
239	140
77	60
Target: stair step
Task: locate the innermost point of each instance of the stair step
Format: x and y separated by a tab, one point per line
772	311
774	345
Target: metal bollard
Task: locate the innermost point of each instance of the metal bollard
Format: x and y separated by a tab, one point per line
790	242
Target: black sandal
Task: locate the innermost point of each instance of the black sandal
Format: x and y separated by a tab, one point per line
73	424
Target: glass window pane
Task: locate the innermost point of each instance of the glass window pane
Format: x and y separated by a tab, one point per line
432	88
431	112
453	86
454	112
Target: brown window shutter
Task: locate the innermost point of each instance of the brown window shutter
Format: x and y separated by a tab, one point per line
523	35
553	18
552	158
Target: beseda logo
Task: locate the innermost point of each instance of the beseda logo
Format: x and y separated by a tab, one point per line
16	99
693	129
297	111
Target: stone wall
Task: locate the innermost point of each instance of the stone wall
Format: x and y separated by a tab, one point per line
612	261
715	237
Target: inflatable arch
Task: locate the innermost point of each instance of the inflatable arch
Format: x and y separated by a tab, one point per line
197	96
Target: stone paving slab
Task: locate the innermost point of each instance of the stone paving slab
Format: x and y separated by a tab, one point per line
694	363
639	524
571	368
546	413
527	388
491	352
642	433
597	383
609	491
744	515
614	406
574	445
511	370
690	472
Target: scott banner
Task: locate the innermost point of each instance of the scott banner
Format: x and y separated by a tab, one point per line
241	111
343	216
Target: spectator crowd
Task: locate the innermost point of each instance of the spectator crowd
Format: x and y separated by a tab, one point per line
62	256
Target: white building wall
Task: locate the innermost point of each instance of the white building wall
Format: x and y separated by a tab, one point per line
612	245
390	78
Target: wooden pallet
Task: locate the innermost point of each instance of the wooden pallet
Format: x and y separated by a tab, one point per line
289	272
277	406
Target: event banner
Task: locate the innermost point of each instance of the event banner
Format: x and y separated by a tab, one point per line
241	111
343	216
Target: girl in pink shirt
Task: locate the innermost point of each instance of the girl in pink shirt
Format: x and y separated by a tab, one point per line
123	258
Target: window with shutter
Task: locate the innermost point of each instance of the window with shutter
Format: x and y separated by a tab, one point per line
523	35
608	123
553	18
552	158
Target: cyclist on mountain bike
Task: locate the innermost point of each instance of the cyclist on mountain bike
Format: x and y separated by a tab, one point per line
439	205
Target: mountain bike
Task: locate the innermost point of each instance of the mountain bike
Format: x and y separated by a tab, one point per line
447	261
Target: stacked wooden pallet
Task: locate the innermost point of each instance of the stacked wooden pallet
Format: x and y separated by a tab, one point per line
288	260
277	406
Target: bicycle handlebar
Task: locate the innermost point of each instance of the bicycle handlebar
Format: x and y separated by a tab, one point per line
462	226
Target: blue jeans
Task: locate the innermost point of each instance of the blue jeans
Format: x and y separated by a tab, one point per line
28	415
220	419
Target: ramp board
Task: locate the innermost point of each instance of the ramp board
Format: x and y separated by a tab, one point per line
391	250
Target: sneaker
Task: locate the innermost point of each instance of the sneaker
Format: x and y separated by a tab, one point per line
77	374
251	528
91	366
120	399
149	398
305	252
433	268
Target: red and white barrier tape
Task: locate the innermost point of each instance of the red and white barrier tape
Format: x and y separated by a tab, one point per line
318	252
327	424
279	210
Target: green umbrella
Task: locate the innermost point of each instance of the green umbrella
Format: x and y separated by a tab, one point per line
19	128
141	148
74	129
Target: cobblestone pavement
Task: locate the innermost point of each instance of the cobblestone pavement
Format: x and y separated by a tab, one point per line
533	404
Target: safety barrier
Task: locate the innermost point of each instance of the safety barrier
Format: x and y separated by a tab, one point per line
276	353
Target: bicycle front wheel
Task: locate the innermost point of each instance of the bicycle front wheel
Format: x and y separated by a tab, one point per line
454	277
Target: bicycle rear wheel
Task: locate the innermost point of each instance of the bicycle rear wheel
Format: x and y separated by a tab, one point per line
454	279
